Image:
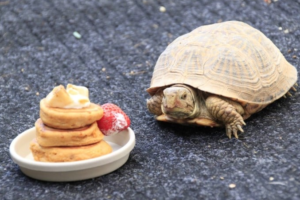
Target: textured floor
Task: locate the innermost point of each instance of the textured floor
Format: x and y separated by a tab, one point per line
119	45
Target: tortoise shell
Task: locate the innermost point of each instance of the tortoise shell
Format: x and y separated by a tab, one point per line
231	59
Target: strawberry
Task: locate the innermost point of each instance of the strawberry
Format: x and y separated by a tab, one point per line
114	120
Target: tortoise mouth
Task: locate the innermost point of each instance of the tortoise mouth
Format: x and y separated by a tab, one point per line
176	113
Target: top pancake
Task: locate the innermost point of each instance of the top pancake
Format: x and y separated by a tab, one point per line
70	118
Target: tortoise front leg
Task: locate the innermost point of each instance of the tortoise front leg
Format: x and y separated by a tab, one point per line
154	103
227	112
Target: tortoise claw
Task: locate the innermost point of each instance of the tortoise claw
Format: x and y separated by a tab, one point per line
228	132
235	133
240	128
288	93
234	128
293	88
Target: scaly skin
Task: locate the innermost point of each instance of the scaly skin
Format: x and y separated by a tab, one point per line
227	112
154	104
183	104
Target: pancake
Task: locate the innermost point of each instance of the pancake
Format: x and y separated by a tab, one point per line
50	137
69	154
69	118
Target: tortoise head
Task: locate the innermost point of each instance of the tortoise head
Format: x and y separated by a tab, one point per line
180	102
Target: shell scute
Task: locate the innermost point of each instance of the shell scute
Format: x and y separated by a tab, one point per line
230	59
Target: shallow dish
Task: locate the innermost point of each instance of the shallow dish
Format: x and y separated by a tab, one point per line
122	144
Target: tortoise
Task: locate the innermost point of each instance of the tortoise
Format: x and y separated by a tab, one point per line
219	75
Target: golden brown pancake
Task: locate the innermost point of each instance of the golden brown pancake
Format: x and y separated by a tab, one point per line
68	154
50	137
70	118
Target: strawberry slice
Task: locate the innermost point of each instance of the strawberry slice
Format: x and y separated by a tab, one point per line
114	120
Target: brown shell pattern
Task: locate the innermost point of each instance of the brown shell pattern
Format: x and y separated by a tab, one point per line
230	59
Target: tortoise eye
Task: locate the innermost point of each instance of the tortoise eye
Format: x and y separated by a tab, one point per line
183	97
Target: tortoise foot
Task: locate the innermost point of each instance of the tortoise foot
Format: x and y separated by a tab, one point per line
294	89
234	127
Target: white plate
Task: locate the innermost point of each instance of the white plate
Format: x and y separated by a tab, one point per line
122	144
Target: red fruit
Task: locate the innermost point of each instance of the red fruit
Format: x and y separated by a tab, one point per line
114	119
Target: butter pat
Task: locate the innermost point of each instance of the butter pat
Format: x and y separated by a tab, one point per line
72	97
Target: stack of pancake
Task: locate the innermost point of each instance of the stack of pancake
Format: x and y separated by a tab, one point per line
67	129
